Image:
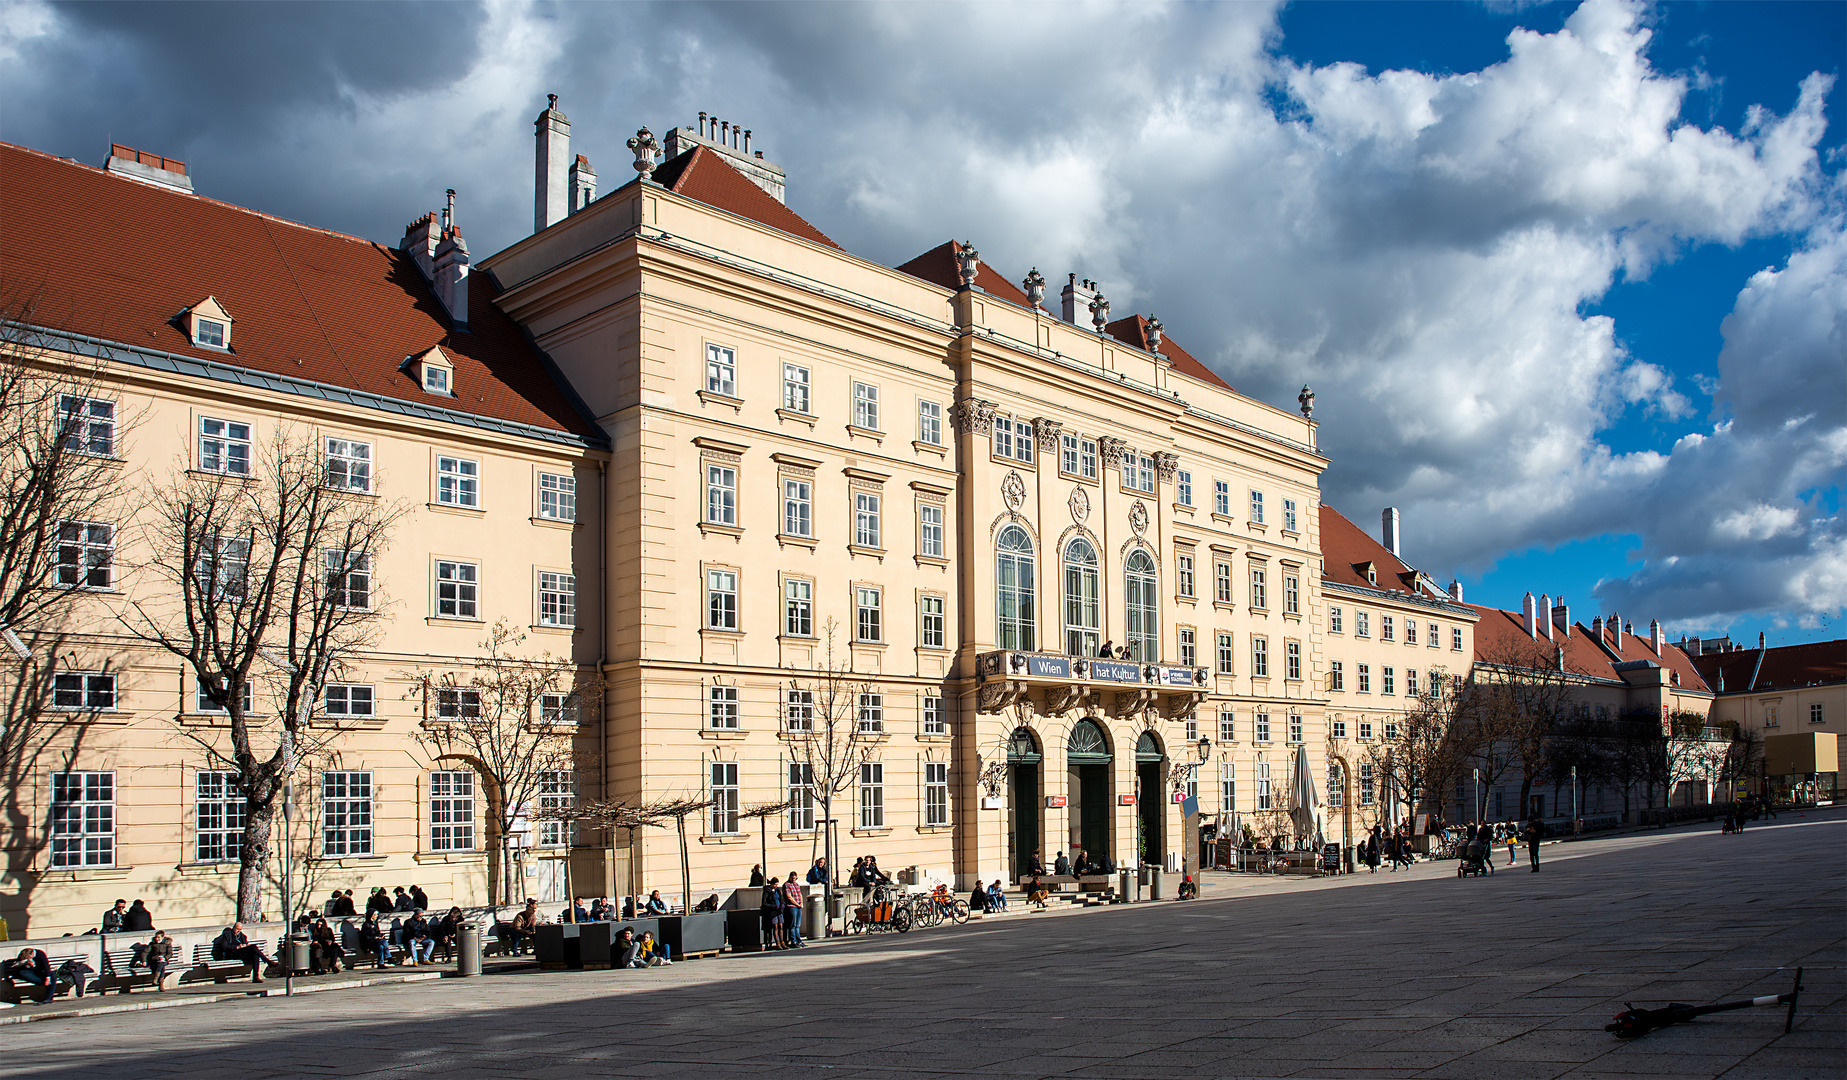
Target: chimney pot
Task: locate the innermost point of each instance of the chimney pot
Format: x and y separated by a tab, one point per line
1527	610
702	124
1388	530
551	191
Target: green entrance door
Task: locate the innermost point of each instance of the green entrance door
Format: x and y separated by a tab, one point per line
1088	758
1150	800
1023	768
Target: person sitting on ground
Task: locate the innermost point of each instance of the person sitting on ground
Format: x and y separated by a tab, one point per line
710	903
401	901
418	897
113	918
657	906
417	940
624	948
138	920
376	936
978	898
233	945
1189	889
817	874
756	877
997	897
31	968
1061	866
156	955
650	952
324	952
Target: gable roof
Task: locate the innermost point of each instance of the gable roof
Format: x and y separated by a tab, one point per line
1501	636
938	267
1134	331
116	259
704	174
1346	549
1783	667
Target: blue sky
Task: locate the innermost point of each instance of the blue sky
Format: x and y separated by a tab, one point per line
1570	281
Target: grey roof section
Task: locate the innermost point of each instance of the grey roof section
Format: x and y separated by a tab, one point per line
1400	598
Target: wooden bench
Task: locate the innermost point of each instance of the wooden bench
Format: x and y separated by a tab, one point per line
204	967
10	991
120	973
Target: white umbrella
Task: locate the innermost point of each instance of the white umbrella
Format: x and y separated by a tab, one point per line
1307	821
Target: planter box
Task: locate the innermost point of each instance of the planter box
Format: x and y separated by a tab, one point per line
557	946
744	930
700	933
593	941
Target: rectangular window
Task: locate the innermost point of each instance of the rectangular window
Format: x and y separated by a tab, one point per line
872	795
798	608
795	388
1261	727
1023	441
1366	784
1221	582
1144	473
1087	459
722	708
1385	628
218	817
557	791
936	793
1289	515
87	425
1338	728
557	599
1455	638
1228	726
930	531
1226	660
930	423
870	714
1410	631
1365	678
348	577
932	634
798	710
1192	728
1295	728
865	519
349	465
458	482
1292	595
1003	437
224	447
1816	715
1366	729
457	585
801	797
1260	597
346	814
867	624
86	555
558	708
934	722
1360	625
1189	650
1183	488
1388	684
1263	785
1292	660
452	811
721	371
557	497
1256	507
866	406
1184	574
1335	622
1410	682
1067	455
1221	498
1337	675
82	819
457	703
724	798
81	691
1337	797
1228	787
721	600
1260	657
721	495
346	699
797	508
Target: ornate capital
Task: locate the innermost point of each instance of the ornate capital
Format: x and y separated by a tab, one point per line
1047	432
972	414
1166	462
1111	448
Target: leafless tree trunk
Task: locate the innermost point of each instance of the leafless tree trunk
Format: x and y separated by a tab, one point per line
1524	694
1422	755
261	580
832	741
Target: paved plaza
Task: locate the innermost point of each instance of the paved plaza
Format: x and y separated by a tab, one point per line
1417	974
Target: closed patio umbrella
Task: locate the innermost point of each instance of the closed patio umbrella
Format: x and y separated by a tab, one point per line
1307	820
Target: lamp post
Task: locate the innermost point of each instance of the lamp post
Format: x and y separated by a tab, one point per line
1575	823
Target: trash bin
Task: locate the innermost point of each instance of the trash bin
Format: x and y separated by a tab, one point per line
299	958
1156	886
811	916
1122	887
468	949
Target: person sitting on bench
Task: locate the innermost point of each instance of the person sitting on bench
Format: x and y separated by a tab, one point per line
324	952
375	936
155	956
655	905
33	968
519	933
233	945
1061	866
418	941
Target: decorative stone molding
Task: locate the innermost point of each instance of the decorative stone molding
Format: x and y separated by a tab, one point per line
968	264
1099	313
1307	399
1034	287
1166	462
647	152
1111	448
1047	432
1080	505
1152	331
973	415
1063	699
1138	517
996	696
1013	491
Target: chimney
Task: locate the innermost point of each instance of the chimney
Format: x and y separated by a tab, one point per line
1455	589
1544	614
148	168
550	195
1526	609
1654	635
1596	627
1388	529
1616	630
723	137
1561	617
583	184
1075	301
1760	639
441	255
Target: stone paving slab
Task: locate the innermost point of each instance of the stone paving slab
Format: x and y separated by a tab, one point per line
1416	974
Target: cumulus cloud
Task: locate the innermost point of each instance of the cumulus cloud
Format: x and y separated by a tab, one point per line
1422	248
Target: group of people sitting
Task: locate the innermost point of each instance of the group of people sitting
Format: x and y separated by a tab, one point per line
991	899
1080	864
517	934
33	968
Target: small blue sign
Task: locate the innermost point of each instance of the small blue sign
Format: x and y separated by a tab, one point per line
1115	671
1055	667
1176	676
1190	807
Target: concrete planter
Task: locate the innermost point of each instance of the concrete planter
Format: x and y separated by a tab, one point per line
557	946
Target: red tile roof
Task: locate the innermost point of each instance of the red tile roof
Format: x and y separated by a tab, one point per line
1783	667
1346	549
117	259
1501	637
938	267
1134	331
704	174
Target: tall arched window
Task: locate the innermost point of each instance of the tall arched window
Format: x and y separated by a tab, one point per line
1013	589
1083	607
1142	610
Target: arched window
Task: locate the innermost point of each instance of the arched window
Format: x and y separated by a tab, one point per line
1142	611
1083	608
1013	589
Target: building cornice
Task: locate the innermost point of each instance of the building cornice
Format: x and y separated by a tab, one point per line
1385	596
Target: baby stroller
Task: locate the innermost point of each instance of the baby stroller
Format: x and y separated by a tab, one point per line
1475	859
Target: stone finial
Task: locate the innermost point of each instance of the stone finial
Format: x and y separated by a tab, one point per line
1034	286
647	152
1099	313
1153	333
1307	398
968	263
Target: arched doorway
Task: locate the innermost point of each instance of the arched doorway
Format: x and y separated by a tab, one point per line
1150	799
1087	757
1023	799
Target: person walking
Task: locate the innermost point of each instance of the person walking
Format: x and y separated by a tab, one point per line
1532	844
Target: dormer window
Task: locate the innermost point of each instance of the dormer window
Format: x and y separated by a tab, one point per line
435	379
209	325
1368	571
433	371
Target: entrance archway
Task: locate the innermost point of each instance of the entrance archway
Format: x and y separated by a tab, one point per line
1023	798
1087	756
1150	799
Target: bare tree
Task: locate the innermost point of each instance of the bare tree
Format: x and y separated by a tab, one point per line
1417	753
265	568
513	720
1521	695
830	741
